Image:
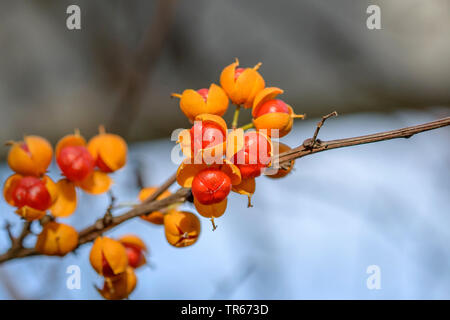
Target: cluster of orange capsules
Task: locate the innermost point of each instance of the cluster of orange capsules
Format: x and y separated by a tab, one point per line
217	161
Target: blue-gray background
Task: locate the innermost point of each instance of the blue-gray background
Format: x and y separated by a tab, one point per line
310	235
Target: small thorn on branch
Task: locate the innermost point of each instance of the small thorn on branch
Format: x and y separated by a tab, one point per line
8	230
107	218
311	143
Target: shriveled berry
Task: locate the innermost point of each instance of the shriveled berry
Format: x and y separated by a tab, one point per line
31	192
271	106
75	162
204	93
211	186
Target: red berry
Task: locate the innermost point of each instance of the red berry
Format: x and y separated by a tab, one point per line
107	271
211	186
271	106
237	73
31	192
254	156
204	93
75	162
247	170
134	254
205	134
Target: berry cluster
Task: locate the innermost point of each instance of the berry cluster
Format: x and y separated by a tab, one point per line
83	165
218	160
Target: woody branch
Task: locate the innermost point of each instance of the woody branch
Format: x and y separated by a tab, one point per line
308	147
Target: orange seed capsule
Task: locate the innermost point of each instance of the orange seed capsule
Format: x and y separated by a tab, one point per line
211	211
206	140
246	187
182	228
77	163
108	257
31	196
56	239
195	102
273	114
30	157
155	217
241	84
108	150
120	287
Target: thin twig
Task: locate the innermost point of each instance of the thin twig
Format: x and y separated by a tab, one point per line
151	204
26	230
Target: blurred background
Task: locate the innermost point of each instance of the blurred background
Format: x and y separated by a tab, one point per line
310	235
